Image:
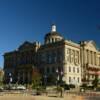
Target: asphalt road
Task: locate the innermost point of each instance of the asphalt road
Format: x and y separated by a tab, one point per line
22	95
92	98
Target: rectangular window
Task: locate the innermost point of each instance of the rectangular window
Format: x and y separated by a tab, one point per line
69	69
72	56
55	59
69	79
77	70
53	69
74	69
50	59
69	55
74	78
48	70
77	57
43	57
78	80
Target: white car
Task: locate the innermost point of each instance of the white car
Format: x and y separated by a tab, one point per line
1	89
21	87
13	88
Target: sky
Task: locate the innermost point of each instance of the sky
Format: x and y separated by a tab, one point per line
30	20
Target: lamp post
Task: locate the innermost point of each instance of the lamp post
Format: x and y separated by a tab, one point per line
45	80
59	78
61	74
10	80
18	80
57	73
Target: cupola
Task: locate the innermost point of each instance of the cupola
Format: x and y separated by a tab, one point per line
53	36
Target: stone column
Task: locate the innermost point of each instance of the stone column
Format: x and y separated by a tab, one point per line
81	58
85	58
96	58
64	55
89	54
93	58
98	61
69	55
50	40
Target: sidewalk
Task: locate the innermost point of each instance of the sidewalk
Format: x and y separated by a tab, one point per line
30	97
67	97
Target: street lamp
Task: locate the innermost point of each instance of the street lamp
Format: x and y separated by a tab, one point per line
59	78
18	79
10	79
45	80
57	72
61	74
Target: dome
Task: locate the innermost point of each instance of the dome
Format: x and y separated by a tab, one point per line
53	36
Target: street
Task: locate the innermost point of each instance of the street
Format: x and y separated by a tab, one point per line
27	96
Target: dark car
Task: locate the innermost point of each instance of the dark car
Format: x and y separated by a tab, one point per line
66	87
1	89
98	89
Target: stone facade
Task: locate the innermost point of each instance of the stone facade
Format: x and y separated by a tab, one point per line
90	61
76	63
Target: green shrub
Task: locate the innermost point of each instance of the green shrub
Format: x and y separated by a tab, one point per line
66	87
71	85
84	86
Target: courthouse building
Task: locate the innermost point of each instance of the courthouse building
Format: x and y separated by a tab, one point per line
75	62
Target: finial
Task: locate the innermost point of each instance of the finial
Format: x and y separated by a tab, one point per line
53	28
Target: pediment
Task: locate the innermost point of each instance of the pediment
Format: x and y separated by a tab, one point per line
91	45
25	45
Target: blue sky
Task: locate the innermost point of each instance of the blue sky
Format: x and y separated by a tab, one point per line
30	20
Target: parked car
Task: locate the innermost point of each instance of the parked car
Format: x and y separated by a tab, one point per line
82	89
98	89
13	88
66	87
20	87
1	89
7	87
